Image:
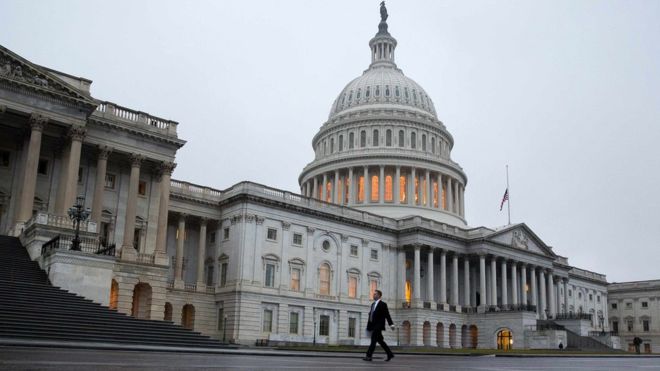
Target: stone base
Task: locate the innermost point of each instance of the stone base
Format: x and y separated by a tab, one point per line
179	284
161	258
200	287
128	253
444	307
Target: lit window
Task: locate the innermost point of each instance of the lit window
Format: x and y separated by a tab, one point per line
268	321
374	188
293	323
408	291
416	191
402	189
351	327
444	196
388	188
361	189
324	325
373	286
297	239
424	191
110	181
142	188
324	279
435	194
374	254
271	234
328	191
352	287
42	167
295	279
354	250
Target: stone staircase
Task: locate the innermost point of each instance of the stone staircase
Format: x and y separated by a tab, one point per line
31	309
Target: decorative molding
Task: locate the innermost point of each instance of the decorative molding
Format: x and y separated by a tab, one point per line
165	168
250	218
38	121
344	238
236	219
259	219
136	159
77	133
365	242
286	226
104	152
519	240
311	230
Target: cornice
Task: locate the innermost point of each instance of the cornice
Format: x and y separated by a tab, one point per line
136	130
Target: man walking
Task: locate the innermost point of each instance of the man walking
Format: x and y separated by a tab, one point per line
376	325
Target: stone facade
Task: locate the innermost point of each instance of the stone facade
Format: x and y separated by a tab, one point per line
634	311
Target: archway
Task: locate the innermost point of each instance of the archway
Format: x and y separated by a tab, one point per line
188	316
452	336
141	301
474	336
405	333
168	312
426	333
504	339
114	295
464	337
440	335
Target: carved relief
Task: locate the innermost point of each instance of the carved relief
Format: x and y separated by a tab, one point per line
519	240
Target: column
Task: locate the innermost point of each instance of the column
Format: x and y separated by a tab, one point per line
541	283
454	280
440	191
429	190
351	188
443	277
324	188
493	281
551	295
505	294
535	295
514	283
71	189
131	203
381	185
316	188
402	274
456	200
463	201
450	196
565	281
466	281
335	188
367	187
523	284
99	186
412	186
417	278
397	186
201	253
429	276
482	280
29	184
165	174
178	267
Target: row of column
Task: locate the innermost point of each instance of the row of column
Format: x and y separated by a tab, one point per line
201	252
544	287
433	190
67	186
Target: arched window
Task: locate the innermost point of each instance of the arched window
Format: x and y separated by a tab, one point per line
401	138
363	138
396	91
504	339
359	94
350	97
351	140
341	143
387	90
114	294
367	92
377	90
433	145
413	140
423	142
405	90
388	188
325	147
375	138
388	138
324	279
374	188
328	191
168	312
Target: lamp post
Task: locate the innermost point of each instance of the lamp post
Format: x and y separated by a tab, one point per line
78	213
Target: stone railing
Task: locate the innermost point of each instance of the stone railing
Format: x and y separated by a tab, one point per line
111	110
190	286
588	274
210	289
59	221
178	187
145	258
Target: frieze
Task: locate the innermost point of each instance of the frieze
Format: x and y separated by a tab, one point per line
519	240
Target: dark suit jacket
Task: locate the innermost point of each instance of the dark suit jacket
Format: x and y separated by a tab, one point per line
378	317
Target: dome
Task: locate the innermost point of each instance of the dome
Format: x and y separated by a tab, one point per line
384	86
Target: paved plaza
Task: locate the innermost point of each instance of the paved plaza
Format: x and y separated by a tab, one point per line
13	358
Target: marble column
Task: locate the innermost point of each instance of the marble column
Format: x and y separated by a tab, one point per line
466	281
99	185
463	201
324	188
336	188
29	183
76	134
541	283
535	295
505	294
551	294
493	281
367	186
454	280
165	174
565	281
482	280
201	253
131	207
429	189
178	265
402	274
381	185
351	187
443	277
316	188
397	186
429	278
450	196
523	284
417	278
514	283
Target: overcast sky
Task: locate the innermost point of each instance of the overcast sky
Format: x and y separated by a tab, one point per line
565	92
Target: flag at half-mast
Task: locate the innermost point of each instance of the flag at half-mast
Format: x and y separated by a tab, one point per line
505	198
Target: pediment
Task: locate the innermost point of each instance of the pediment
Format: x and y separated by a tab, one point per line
521	237
21	73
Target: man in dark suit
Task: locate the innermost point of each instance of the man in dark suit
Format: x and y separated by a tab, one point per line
378	313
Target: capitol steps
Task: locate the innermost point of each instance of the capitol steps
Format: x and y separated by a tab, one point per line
31	309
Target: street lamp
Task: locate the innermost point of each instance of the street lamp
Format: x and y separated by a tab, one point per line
77	214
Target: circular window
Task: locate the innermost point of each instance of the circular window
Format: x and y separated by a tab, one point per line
326	245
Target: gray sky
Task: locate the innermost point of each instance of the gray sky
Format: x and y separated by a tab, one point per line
565	92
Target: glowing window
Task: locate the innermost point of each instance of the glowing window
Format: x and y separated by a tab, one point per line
408	291
374	188
388	188
373	286
444	197
295	279
324	279
424	192
361	189
504	340
347	189
352	287
435	194
328	192
416	201
402	189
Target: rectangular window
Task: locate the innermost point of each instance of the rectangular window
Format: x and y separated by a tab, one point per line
351	327
614	305
270	275
293	323
629	305
645	304
615	327
374	188
570	294
209	275
354	250
223	274
110	181
352	287
591	297
271	234
295	279
324	326
225	233
645	325
42	167
630	325
142	188
373	286
268	321
374	254
221	319
598	299
297	239
4	158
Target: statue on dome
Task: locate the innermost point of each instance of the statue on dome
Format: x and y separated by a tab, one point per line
383	12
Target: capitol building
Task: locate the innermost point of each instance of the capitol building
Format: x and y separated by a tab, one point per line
380	206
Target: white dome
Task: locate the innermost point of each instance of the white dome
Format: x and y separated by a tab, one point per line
383	86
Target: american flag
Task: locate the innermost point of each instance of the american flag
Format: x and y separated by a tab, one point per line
505	198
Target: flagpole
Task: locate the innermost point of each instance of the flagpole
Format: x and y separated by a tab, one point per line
508	202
